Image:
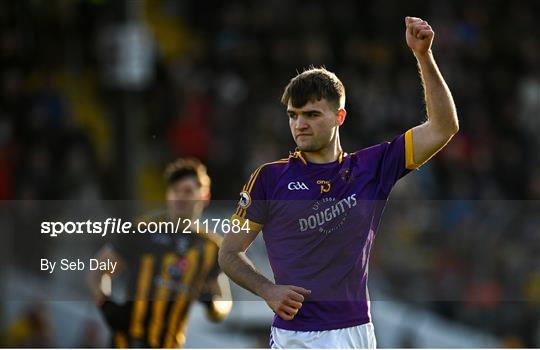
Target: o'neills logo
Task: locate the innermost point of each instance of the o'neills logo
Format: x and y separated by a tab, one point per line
325	185
327	215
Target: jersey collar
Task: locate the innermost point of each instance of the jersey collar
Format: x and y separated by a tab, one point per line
299	155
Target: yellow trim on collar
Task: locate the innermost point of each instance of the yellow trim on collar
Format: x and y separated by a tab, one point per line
340	157
298	154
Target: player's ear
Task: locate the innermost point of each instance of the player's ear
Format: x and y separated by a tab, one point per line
341	114
206	196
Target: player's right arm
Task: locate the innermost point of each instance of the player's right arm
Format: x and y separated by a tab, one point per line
284	300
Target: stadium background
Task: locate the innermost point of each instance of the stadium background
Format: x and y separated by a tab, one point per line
97	96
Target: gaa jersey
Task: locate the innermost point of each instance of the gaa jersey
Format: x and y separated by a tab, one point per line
319	222
165	274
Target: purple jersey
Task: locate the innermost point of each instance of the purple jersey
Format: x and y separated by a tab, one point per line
319	222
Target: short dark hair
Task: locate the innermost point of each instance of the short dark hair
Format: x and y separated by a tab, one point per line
184	167
314	84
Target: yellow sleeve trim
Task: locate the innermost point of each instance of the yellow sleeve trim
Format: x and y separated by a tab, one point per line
409	153
253	226
249	186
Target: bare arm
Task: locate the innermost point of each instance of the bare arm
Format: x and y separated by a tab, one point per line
221	304
95	277
234	262
431	136
285	301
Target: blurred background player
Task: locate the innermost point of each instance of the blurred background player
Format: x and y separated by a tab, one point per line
167	271
320	208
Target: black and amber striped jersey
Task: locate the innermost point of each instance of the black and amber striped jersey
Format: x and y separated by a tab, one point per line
165	274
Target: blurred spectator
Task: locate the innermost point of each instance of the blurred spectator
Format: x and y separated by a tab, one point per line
30	330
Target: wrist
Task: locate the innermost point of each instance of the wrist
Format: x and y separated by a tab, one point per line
263	289
423	56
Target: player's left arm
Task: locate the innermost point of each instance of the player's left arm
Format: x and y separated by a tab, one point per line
220	305
431	136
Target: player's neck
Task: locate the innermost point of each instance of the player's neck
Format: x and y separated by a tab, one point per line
328	154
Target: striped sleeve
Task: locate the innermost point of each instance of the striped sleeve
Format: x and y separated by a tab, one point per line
253	203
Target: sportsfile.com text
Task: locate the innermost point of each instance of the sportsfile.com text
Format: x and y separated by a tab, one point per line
120	226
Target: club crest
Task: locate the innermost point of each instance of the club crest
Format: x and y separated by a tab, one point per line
245	200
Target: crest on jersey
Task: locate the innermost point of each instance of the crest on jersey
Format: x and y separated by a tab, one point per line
245	200
346	175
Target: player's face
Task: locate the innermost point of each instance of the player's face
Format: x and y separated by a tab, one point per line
314	125
185	198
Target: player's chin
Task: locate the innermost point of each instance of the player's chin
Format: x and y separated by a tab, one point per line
183	214
306	147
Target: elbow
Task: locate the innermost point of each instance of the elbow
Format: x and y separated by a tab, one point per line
226	260
223	259
448	130
448	133
446	125
454	127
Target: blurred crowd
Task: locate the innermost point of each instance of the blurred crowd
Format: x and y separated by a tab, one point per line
68	130
471	261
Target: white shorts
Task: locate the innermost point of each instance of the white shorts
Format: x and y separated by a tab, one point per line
359	337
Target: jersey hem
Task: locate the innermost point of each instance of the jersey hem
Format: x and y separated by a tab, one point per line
278	323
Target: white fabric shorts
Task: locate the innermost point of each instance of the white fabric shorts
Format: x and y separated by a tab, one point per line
358	337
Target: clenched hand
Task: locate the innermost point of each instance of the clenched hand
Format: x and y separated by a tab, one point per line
285	300
418	34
